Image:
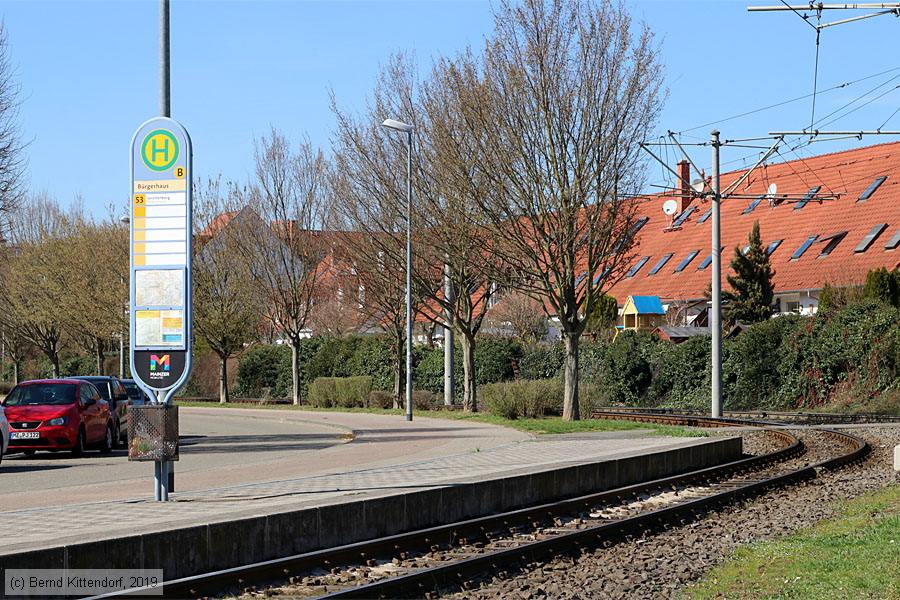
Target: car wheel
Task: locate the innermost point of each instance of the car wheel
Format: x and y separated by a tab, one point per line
107	444
117	437
29	452
78	449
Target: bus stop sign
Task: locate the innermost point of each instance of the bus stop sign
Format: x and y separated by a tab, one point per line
160	320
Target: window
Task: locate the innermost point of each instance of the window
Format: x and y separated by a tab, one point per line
753	205
601	276
705	263
870	237
686	261
804	247
871	189
705	216
637	266
812	192
631	233
662	262
833	240
684	216
893	242
773	247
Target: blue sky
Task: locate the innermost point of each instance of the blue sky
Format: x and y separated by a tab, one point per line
89	74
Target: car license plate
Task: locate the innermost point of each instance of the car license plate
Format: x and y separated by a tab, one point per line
24	435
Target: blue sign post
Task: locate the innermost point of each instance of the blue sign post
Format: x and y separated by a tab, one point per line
161	226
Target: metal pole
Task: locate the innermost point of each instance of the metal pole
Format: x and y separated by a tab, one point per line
409	321
165	475
165	98
449	391
716	316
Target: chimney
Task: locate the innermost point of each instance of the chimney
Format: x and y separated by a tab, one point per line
684	174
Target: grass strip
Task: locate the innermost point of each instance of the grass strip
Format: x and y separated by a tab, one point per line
855	555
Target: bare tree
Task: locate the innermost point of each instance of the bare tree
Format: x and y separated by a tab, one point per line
444	239
34	285
564	92
520	314
12	149
226	307
281	238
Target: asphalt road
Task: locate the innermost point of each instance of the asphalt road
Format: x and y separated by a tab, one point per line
219	447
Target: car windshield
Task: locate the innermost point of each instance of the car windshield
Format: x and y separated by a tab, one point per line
41	393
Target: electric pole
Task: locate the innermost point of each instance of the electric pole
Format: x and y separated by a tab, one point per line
715	320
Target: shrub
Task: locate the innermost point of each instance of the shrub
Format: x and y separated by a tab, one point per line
373	356
345	392
541	361
323	392
424	400
259	368
78	365
381	399
527	399
353	392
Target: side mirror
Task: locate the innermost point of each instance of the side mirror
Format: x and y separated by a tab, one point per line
89	402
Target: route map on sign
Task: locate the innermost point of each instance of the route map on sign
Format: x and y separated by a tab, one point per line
160	254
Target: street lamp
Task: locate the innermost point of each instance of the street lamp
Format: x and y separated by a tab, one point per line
408	130
125	220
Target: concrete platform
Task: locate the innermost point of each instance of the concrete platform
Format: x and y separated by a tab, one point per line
371	496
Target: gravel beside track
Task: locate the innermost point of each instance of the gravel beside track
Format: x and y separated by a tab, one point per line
663	565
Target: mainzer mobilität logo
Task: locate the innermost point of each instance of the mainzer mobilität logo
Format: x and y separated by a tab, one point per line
159	150
160	363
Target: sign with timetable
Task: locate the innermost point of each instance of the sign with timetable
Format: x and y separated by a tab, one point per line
161	256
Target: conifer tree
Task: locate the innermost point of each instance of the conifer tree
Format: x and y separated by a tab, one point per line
752	295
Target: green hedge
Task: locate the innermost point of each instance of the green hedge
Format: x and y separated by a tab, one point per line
851	353
345	392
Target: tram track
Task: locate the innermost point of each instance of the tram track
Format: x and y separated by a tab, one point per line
457	556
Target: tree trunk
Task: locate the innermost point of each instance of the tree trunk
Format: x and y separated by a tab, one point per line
570	397
54	358
399	357
470	402
223	379
15	372
100	357
295	372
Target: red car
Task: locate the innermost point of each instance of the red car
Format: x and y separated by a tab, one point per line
58	414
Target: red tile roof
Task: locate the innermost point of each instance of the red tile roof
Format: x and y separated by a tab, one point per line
842	175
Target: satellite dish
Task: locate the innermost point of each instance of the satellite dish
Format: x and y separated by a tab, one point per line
669	207
698	185
773	187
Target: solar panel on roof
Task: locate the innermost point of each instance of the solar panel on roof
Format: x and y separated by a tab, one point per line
705	263
683	216
773	247
753	205
870	237
705	216
602	274
893	242
803	247
686	261
632	232
833	240
812	192
662	262
871	189
637	266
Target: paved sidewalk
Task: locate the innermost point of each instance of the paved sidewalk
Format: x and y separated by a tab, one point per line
387	456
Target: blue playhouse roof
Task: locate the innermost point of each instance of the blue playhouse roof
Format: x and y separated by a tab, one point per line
648	305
